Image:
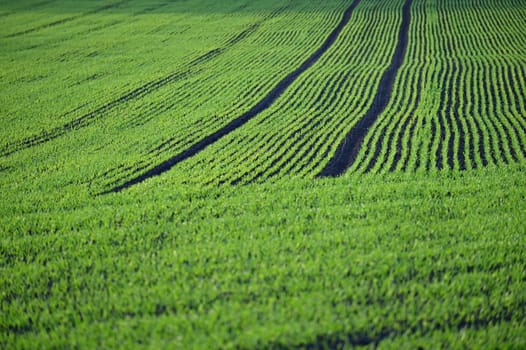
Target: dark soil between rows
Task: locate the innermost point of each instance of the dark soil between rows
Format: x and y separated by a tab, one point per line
261	106
349	147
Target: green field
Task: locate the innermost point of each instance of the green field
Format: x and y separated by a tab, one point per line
263	174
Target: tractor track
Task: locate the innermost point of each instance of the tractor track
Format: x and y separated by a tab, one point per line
261	106
349	147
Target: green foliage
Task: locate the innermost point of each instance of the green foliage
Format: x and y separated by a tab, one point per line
458	101
94	93
387	260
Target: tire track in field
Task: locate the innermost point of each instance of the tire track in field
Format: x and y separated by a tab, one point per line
261	106
67	19
382	137
349	147
90	117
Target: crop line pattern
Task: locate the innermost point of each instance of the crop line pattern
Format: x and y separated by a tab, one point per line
471	114
262	105
145	89
192	129
437	91
104	26
348	148
294	136
67	19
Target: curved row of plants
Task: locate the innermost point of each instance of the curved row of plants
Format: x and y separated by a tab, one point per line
295	135
91	60
459	99
160	116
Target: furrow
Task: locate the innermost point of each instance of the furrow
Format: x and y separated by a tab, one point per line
262	105
349	147
184	139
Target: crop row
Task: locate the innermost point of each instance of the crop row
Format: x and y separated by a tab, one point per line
190	69
456	102
296	135
239	84
158	122
459	98
95	69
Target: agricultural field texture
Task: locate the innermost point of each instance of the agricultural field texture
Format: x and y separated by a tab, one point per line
280	174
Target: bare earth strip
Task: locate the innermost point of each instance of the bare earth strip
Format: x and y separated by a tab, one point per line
349	147
261	106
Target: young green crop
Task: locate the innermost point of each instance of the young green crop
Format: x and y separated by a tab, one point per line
395	254
475	122
357	261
